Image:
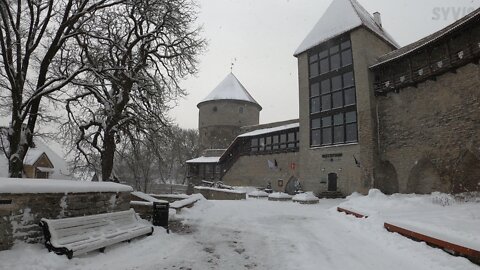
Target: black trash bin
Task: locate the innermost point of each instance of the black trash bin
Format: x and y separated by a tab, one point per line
160	214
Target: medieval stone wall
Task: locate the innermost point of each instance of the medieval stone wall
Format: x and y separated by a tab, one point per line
429	135
21	213
254	170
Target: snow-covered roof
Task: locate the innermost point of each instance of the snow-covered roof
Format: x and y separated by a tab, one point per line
60	166
340	17
419	44
33	154
30	185
230	89
203	159
269	130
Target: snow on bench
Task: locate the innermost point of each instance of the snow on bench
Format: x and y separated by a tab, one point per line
449	244
352	212
189	202
78	235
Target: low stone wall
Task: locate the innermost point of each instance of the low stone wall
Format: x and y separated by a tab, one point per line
21	213
220	194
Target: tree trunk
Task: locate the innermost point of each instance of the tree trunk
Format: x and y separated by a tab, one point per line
108	154
17	153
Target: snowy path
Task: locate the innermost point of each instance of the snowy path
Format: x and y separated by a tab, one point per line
256	234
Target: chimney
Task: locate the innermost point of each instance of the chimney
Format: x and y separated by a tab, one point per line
377	18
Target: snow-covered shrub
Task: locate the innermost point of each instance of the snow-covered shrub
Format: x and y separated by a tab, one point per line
307	197
258	194
442	199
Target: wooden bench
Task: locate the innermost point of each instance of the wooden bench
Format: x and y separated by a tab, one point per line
350	212
78	235
452	248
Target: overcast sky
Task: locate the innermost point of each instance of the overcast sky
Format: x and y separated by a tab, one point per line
263	34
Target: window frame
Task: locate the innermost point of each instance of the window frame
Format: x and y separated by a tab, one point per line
332	101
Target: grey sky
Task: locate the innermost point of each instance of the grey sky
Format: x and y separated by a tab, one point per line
263	34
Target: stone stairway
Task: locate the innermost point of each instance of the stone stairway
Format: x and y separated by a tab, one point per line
330	195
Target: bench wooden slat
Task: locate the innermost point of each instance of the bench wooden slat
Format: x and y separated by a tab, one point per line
77	235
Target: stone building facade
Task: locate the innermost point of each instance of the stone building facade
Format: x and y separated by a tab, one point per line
374	115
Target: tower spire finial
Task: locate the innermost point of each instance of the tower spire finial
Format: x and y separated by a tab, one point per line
232	64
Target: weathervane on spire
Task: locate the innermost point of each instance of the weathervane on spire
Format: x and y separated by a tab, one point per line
232	64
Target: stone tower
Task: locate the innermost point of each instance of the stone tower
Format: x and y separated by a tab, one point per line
221	114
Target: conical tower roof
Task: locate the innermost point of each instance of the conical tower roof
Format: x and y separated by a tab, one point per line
340	17
230	89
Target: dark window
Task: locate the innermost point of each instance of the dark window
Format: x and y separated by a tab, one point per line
315	90
313	69
351	132
334	61
351	126
337	99
275	142
268	143
336	83
346	58
291	140
283	141
315	105
345	45
323	54
324	67
261	144
333	96
348	79
316	137
240	109
349	96
334	49
326	103
254	144
325	86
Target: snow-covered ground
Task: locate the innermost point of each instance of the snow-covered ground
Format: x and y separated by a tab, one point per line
261	234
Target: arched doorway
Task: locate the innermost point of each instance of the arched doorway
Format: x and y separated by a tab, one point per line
424	178
467	174
386	178
332	182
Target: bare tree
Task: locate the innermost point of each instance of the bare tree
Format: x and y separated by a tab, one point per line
32	33
140	50
157	158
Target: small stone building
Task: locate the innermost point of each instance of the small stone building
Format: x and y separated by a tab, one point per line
371	114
